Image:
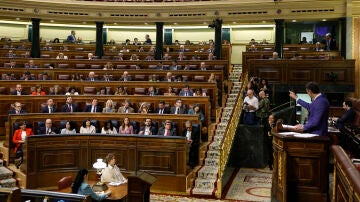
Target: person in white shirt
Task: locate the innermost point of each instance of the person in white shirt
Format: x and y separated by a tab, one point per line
111	172
250	105
108	128
87	127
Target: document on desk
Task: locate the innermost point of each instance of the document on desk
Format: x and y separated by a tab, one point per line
117	183
295	134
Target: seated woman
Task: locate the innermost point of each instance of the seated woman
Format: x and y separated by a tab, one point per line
102	91
111	172
196	110
38	91
170	92
56	90
72	91
80	186
19	139
87	127
109	107
126	127
69	128
134	57
108	128
144	108
212	78
120	91
199	93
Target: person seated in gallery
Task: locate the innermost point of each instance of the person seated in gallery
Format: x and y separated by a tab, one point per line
126	127
149	57
134	57
17	108
303	41
167	129
297	56
50	107
94	107
212	78
10	54
44	77
91	76
120	91
31	65
186	91
166	57
102	91
175	66
8	77
69	106
275	56
169	77
125	76
192	135
119	57
203	66
56	90
318	47
211	56
182	48
61	56
109	107
107	77
27	76
253	42
87	127
19	90
136	42
151	91
72	91
48	129
170	91
144	108
253	48
91	56
81	186
111	173
347	117
19	139
178	108
181	56
108	128
162	108
69	128
264	42
13	64
199	93
197	111
126	108
148	128
38	91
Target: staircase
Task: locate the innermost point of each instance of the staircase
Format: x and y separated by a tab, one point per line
205	183
6	176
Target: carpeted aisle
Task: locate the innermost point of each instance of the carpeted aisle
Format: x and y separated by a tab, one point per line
251	184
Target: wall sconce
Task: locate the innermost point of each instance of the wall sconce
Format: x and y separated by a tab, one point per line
99	165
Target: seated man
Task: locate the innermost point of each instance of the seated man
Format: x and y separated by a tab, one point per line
31	64
126	108
69	106
192	135
94	107
167	129
275	56
19	90
49	129
178	108
61	56
50	107
27	77
250	105
17	109
175	66
152	91
125	76
186	91
162	109
203	66
347	117
169	77
148	128
91	77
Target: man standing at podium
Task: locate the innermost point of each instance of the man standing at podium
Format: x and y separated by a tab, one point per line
318	110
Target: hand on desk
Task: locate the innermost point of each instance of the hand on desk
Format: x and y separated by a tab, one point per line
108	193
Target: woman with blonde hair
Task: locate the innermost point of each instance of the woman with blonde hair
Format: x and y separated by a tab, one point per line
109	107
111	172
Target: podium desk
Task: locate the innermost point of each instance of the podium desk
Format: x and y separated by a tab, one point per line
300	171
118	193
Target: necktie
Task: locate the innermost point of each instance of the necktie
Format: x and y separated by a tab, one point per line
48	131
186	94
92	109
160	111
71	109
177	110
50	110
17	112
167	133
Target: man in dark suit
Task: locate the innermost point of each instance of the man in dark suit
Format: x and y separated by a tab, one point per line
167	129
71	38
125	76
169	77
318	111
17	109
148	128
50	107
94	107
186	91
162	109
152	91
19	90
192	134
347	117
107	77
91	77
330	43
178	108
49	129
69	106
175	66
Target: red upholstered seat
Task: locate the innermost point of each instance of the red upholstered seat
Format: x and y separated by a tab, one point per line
64	182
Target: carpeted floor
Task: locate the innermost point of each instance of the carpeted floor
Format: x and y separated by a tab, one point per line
248	185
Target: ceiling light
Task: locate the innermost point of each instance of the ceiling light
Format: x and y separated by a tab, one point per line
17	18
52	21
323	20
293	20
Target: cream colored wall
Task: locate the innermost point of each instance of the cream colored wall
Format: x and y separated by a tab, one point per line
240	37
121	34
51	32
194	35
14	31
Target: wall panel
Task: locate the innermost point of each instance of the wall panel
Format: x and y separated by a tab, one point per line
14	31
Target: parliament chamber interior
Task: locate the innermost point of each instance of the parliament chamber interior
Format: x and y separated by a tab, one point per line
167	87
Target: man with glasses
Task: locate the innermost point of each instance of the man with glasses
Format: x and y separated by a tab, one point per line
167	129
19	90
49	129
17	109
178	108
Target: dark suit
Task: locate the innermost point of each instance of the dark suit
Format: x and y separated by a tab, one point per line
166	110
98	108
347	117
13	111
318	115
128	78
162	132
46	109
176	67
182	110
66	108
110	79
189	93
330	45
52	131
152	130
194	146
152	93
89	79
71	38
23	92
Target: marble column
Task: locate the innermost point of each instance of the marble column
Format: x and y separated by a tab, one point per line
159	40
99	52
35	47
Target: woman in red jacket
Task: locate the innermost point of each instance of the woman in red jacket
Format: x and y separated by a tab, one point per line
19	139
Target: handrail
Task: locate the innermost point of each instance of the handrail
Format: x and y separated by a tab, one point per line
228	139
53	194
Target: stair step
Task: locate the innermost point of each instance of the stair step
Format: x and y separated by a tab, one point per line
212	162
205	184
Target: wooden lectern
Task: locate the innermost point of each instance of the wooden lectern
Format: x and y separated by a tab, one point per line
300	168
139	184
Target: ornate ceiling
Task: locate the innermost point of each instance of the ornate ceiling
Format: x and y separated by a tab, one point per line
196	12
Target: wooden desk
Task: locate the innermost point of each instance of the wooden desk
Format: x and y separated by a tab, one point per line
118	193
